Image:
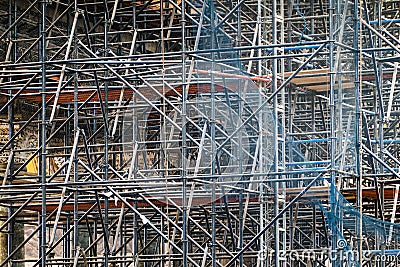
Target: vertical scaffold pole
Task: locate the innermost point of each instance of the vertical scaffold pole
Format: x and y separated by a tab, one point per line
74	157
213	145
358	120
183	172
276	129
106	135
42	156
331	63
262	254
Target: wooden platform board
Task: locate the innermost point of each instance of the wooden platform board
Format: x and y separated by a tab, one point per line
318	79
322	192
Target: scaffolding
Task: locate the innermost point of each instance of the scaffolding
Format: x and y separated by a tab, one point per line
199	133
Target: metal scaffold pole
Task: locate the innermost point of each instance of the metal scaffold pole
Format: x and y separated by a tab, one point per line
43	136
